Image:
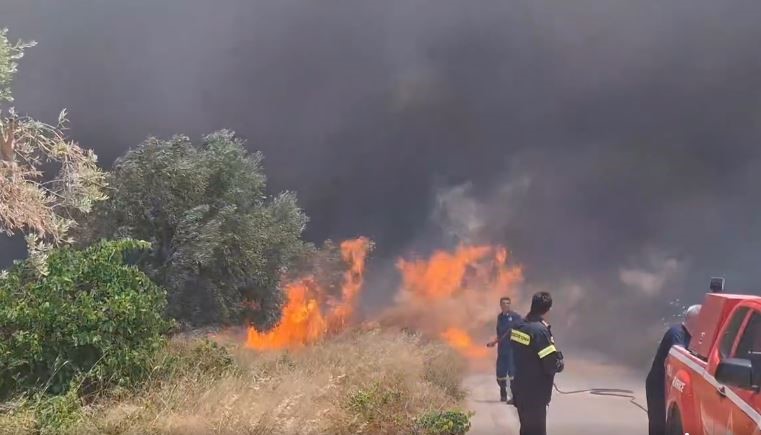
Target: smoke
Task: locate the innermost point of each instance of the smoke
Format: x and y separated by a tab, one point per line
651	283
458	215
612	146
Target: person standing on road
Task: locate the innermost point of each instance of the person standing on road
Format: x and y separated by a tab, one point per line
537	360
506	319
655	388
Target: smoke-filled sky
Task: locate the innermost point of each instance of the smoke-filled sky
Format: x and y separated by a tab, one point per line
614	146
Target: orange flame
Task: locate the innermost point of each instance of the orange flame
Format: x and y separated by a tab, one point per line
442	275
452	295
303	320
461	341
456	294
354	252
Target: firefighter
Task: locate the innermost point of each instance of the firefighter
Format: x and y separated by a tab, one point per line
506	319
537	360
655	388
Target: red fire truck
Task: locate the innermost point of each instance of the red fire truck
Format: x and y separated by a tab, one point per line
714	386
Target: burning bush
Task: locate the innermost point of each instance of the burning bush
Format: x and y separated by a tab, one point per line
311	311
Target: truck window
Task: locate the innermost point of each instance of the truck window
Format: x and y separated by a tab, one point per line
728	339
750	343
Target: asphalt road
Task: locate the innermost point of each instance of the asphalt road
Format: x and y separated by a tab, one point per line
567	414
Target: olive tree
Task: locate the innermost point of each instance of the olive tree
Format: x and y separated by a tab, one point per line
46	181
220	244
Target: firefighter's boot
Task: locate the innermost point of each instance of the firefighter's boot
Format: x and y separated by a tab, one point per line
502	390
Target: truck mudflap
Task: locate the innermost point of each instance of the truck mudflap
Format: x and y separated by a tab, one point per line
683	371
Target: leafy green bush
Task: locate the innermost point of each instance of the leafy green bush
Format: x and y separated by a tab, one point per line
444	423
378	408
203	357
219	243
370	403
58	414
90	316
384	407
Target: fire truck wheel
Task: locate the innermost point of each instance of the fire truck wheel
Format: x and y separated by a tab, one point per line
674	423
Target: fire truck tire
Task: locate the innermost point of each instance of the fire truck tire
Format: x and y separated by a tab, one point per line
674	423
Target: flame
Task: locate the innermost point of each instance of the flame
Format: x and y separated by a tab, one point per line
309	313
354	252
462	342
301	323
452	295
442	275
456	294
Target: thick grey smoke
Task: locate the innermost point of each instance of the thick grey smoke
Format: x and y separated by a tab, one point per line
614	146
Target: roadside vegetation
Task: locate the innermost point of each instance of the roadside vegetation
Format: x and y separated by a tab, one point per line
360	382
180	235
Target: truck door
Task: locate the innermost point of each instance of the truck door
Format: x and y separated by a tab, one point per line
711	399
745	414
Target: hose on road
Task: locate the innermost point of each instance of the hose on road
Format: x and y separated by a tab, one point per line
613	392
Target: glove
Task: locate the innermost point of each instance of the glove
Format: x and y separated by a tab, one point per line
559	365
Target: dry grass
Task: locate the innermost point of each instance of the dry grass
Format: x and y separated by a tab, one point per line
360	382
16	419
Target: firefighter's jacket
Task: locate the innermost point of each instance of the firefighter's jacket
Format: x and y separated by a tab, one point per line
537	360
505	323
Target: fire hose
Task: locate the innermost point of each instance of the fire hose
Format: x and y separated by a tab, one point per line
609	392
613	392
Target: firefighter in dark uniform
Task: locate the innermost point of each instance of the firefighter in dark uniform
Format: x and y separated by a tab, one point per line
506	319
537	360
655	385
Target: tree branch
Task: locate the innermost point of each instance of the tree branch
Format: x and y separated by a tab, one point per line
8	143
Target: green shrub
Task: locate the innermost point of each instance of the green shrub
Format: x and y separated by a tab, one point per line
211	358
90	316
378	408
220	244
384	407
370	403
58	414
444	423
203	357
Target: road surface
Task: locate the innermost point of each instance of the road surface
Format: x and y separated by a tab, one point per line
567	414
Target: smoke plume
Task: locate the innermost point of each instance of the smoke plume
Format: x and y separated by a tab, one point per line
613	147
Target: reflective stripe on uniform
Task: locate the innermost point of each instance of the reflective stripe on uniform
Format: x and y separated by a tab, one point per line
520	337
502	379
547	350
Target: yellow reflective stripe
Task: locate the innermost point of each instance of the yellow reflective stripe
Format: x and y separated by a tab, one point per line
502	379
520	337
547	350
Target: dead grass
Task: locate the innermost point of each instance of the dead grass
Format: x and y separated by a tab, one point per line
360	382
